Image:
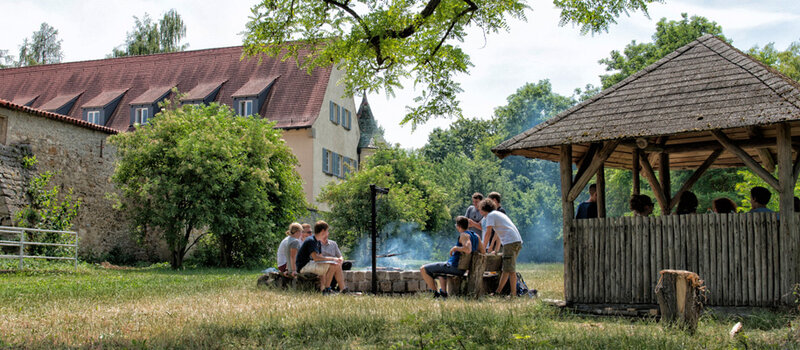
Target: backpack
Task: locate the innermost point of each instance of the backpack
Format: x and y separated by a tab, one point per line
522	287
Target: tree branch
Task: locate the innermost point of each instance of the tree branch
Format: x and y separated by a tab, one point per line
472	8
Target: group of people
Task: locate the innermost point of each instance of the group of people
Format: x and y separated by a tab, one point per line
304	252
484	227
642	205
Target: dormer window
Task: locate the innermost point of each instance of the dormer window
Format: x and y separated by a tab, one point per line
203	93
142	114
245	107
93	117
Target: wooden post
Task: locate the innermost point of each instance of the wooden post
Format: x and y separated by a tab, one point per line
637	187
664	180
568	213
679	296
475	277
601	191
788	226
647	169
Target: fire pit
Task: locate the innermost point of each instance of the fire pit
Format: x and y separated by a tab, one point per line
390	280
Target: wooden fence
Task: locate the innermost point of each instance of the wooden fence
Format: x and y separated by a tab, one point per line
740	257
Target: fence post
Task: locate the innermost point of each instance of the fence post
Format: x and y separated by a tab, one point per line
21	248
76	249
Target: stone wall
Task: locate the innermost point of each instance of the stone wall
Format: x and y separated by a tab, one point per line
388	281
83	160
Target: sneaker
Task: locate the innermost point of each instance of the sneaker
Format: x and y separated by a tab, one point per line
443	294
326	291
345	290
534	293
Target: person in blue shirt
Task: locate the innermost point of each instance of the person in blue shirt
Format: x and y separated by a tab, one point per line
310	260
467	242
759	197
588	209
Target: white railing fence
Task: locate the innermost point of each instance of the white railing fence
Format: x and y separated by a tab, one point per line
23	239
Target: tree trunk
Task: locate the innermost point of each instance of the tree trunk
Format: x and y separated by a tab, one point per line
680	296
475	276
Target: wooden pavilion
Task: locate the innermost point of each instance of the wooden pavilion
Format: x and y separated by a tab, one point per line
705	105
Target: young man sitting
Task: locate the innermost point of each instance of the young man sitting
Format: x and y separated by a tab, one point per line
310	259
507	233
467	242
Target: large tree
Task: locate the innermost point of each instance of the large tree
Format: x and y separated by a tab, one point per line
197	170
669	36
149	37
43	47
380	43
787	61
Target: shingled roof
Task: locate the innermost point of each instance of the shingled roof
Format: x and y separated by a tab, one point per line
54	116
294	101
704	85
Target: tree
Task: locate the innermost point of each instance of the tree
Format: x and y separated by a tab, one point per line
786	62
669	36
6	60
149	38
378	44
43	47
198	169
412	198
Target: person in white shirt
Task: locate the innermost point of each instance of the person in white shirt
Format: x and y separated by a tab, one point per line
505	231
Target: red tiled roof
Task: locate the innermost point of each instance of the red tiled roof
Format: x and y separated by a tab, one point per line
294	100
103	99
54	116
58	101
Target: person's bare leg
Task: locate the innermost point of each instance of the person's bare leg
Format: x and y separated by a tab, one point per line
339	276
427	278
503	280
443	284
513	281
328	277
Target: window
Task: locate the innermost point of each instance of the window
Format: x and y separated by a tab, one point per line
334	110
246	107
336	165
325	161
93	117
142	115
347	120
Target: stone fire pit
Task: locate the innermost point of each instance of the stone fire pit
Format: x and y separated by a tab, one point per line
406	281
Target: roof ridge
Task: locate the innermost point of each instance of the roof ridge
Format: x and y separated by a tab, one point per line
789	81
615	87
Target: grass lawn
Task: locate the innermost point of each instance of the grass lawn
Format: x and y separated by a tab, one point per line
215	308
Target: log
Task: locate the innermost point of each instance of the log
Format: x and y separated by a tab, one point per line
680	296
475	277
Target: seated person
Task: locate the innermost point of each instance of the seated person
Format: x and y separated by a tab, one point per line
311	260
508	236
687	204
306	232
467	242
723	206
759	198
641	205
330	249
588	209
287	250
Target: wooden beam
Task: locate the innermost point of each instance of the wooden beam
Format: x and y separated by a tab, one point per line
568	212
650	175
591	170
788	228
663	176
587	158
695	176
709	145
636	166
746	159
763	152
600	179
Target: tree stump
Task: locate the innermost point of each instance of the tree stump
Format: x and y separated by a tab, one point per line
274	280
454	285
307	282
680	296
475	277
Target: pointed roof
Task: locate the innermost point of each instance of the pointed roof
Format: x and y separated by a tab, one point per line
294	101
368	126
704	85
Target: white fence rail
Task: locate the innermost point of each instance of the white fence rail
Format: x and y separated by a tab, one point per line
22	241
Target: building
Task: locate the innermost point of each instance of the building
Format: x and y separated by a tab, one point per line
319	122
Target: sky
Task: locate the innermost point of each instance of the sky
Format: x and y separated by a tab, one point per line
531	51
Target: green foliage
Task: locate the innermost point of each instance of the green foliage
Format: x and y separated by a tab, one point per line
786	62
43	47
530	105
378	44
28	162
202	167
413	197
148	37
750	180
6	60
669	36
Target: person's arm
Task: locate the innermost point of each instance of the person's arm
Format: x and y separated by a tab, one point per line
489	245
293	259
319	257
495	243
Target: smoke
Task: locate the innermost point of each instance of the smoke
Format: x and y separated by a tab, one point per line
413	246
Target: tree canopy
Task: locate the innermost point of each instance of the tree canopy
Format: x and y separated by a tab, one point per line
203	170
379	44
43	47
149	37
786	62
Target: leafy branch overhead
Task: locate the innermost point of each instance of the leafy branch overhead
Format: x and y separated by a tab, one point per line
378	44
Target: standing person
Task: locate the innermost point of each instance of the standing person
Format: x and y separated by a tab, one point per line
687	204
588	209
474	216
311	260
509	237
641	205
759	198
467	242
494	196
287	250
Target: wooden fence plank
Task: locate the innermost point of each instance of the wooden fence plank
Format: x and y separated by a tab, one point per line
713	273
738	297
757	246
724	261
619	260
691	243
580	255
682	256
654	228
770	279
631	262
594	273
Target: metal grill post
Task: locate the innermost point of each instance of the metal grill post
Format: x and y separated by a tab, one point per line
374	190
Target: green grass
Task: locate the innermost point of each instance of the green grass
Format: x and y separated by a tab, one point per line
156	307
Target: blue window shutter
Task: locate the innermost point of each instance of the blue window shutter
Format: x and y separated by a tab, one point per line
325	161
349	120
333	106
